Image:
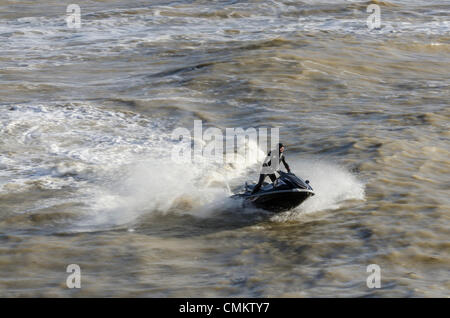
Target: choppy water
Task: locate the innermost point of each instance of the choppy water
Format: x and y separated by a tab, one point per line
86	118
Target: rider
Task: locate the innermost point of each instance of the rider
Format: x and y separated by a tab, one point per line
268	163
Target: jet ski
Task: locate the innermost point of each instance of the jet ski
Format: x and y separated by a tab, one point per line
287	192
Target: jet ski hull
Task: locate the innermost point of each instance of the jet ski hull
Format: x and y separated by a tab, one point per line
288	192
279	201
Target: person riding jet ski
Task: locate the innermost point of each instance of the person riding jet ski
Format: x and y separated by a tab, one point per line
268	167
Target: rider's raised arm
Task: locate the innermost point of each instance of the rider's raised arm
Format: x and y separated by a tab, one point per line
285	164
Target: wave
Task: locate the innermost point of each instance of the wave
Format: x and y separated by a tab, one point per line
333	185
118	164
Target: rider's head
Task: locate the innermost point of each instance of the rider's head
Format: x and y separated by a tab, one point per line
281	147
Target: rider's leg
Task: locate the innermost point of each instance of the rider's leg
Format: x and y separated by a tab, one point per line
259	184
273	177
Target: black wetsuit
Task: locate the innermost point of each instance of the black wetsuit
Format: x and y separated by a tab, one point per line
272	176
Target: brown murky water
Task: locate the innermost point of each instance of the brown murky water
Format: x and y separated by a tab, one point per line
86	117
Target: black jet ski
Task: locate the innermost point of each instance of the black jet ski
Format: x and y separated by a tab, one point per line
286	193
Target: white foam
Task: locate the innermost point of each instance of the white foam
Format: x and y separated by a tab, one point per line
333	185
118	164
157	184
53	141
105	32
